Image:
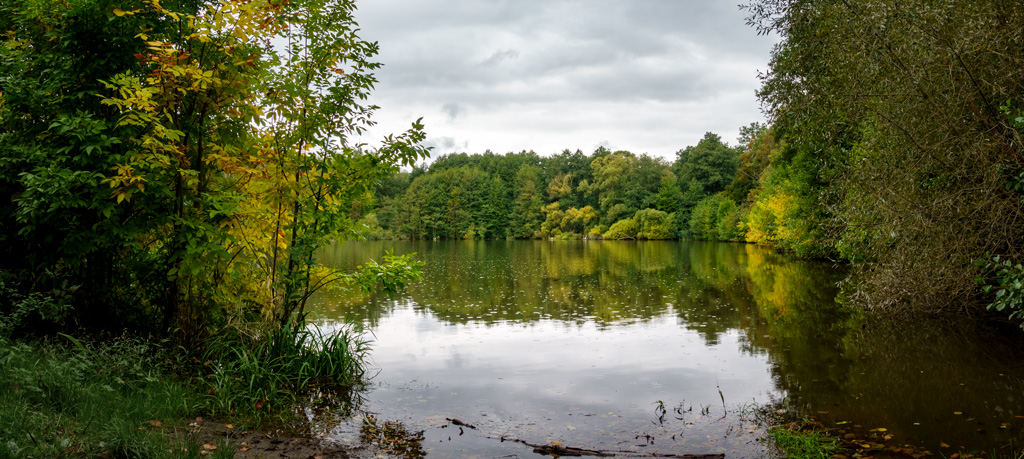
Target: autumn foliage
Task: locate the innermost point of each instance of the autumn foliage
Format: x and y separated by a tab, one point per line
172	165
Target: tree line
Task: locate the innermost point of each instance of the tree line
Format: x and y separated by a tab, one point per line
571	195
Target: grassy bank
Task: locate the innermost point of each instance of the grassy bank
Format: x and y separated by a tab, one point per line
127	397
63	398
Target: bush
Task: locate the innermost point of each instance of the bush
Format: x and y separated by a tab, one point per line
655	224
1008	285
715	218
23	310
623	229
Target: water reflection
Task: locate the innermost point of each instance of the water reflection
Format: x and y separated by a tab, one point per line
576	342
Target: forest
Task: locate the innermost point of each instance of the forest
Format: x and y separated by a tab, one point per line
609	195
169	171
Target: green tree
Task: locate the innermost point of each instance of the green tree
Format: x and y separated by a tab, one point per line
184	166
711	163
527	217
498	209
900	106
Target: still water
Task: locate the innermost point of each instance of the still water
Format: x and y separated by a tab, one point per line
656	347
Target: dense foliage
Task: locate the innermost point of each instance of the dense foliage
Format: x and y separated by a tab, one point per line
900	139
759	191
175	165
611	195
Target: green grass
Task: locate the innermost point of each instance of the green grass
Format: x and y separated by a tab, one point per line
804	444
63	398
266	370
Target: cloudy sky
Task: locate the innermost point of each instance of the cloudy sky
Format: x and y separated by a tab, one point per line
648	76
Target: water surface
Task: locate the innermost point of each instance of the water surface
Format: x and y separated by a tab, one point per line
655	347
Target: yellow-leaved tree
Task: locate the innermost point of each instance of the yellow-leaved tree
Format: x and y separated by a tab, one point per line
238	159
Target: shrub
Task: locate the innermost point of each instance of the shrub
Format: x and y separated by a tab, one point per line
623	229
1008	285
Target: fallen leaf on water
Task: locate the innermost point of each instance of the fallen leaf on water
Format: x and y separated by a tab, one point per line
570	427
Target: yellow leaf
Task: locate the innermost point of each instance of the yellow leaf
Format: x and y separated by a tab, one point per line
943	445
882	429
119	12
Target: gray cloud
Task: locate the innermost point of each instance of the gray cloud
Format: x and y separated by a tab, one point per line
500	56
444	144
532	64
453	110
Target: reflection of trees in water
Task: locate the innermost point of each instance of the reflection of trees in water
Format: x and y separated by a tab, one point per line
892	373
707	285
711	287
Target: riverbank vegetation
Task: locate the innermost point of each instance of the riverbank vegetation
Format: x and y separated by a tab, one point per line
168	169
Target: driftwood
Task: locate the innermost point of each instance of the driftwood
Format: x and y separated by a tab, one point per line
556	449
457	422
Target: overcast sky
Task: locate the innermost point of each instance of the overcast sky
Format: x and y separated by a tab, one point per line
648	76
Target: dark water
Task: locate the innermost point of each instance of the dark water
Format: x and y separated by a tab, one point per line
584	343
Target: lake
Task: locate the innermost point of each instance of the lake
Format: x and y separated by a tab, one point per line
660	347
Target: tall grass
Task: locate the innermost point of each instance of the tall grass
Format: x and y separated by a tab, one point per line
63	398
259	370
